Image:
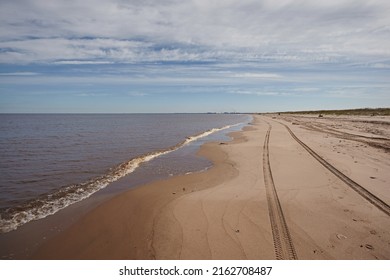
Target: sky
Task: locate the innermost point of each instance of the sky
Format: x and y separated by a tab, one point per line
163	56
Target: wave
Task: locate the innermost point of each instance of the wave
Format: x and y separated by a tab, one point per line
49	204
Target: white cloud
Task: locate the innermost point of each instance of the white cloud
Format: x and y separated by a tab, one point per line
332	91
258	92
173	30
81	62
138	94
257	75
306	89
380	65
19	74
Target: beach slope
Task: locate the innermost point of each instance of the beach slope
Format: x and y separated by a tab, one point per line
266	197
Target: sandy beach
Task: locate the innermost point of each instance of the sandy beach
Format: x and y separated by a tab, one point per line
267	196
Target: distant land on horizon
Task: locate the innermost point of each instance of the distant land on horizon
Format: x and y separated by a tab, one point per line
358	111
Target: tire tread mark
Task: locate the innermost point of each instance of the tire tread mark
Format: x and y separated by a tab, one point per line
284	248
370	197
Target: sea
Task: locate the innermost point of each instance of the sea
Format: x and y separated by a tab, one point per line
51	161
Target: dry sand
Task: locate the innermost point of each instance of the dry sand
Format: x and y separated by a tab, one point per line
256	202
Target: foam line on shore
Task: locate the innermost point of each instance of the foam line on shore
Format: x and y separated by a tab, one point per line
49	204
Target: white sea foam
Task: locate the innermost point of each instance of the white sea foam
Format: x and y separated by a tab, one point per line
42	207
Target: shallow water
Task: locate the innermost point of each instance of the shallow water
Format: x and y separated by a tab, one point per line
49	161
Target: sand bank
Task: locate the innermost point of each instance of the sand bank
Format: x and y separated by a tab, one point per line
261	200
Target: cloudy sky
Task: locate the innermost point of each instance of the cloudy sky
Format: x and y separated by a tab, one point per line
193	56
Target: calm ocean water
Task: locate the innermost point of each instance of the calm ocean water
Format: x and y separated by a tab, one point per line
49	161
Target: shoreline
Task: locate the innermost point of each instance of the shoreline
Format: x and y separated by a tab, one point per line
51	202
224	212
141	203
22	242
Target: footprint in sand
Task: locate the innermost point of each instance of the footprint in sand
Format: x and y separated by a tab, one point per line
370	247
341	236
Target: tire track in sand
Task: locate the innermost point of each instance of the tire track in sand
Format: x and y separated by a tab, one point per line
370	197
284	248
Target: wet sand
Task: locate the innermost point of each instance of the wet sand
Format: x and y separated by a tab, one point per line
266	197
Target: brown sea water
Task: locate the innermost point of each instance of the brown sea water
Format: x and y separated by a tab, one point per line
50	161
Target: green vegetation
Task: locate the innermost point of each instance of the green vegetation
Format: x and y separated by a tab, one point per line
357	112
